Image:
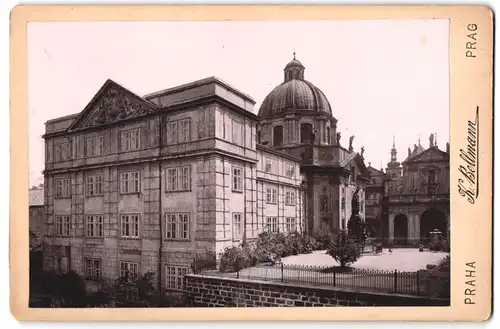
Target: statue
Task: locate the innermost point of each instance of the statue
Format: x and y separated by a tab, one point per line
362	150
324	203
350	142
338	138
431	140
448	148
355	226
409	151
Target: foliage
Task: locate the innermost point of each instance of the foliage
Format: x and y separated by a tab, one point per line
233	259
204	261
309	244
35	243
344	250
324	239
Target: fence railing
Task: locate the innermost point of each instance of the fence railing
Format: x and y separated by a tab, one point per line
403	282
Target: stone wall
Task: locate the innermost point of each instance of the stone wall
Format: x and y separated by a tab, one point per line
226	292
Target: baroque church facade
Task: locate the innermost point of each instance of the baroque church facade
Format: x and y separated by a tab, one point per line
144	184
412	198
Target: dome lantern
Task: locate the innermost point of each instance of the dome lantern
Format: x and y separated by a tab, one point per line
294	70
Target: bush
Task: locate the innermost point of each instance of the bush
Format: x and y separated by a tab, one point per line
233	259
344	250
309	244
205	261
324	239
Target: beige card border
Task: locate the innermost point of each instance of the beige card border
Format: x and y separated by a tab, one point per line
471	227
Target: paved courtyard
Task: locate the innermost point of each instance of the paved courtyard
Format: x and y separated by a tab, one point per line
402	259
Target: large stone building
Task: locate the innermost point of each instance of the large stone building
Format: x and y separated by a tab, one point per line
411	198
143	184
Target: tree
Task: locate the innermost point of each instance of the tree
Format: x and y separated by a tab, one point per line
344	250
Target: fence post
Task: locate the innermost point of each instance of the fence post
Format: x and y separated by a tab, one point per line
418	283
395	280
282	270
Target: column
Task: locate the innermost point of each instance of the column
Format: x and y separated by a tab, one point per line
391	228
417	227
410	229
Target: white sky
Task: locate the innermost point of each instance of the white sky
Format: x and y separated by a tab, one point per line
381	77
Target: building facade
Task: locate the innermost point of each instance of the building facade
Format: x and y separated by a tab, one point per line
144	184
417	194
36	214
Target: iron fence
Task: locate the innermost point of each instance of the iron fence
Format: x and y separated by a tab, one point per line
403	282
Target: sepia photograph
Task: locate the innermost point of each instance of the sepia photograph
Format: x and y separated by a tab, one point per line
239	163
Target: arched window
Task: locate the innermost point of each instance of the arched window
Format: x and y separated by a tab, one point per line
327	135
394	175
278	135
306	133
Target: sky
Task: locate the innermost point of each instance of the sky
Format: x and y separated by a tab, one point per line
383	78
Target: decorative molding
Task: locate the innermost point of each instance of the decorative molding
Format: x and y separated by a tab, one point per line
115	105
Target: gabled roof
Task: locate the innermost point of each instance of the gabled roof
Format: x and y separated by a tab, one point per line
416	151
112	103
356	158
432	154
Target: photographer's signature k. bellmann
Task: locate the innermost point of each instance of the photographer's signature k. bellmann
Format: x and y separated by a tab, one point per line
468	183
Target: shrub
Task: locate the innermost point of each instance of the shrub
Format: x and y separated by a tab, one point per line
309	244
204	261
344	250
233	259
324	239
297	245
70	290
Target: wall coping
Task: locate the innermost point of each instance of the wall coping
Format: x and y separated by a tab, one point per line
309	286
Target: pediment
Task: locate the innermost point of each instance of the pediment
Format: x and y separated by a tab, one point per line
111	104
355	160
430	155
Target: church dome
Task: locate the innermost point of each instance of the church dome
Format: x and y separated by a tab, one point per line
293	94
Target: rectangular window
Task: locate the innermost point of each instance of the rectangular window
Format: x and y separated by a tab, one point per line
237	227
272	225
177	226
179	131
290	224
61	151
271	195
129	182
270	166
179	179
63	225
131	139
95	146
94	226
290	198
93	185
93	269
129	270
237	179
130	226
184	130
172	132
175	277
290	171
62	188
